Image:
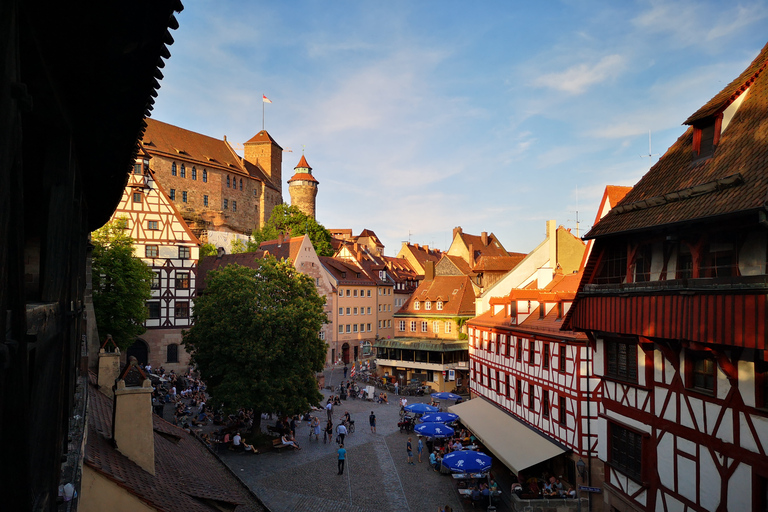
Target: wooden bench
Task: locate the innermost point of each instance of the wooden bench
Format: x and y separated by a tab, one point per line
277	444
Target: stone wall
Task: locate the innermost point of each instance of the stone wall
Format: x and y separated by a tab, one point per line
243	206
303	194
158	341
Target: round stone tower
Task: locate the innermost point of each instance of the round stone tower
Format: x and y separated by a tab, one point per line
303	188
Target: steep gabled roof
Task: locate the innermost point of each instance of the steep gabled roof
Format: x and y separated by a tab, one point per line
680	189
186	472
458	262
176	142
498	263
262	136
205	265
456	292
346	273
494	247
286	249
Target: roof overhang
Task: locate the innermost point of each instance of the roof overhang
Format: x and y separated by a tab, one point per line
514	443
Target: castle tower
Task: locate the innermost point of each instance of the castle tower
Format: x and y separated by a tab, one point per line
267	154
303	188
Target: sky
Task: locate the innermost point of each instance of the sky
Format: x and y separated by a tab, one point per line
420	116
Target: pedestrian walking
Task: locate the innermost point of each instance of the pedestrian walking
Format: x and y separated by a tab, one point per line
342	456
345	371
420	448
341	430
409	448
372	422
329	409
397	388
328	432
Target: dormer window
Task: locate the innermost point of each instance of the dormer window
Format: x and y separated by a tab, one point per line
416	305
706	136
439	305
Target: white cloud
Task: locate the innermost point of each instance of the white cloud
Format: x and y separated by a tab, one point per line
576	79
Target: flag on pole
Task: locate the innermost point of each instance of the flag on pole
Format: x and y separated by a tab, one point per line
265	99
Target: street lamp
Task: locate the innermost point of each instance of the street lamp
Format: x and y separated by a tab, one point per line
581	467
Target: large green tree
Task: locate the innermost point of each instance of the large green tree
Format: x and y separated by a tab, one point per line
121	284
291	221
255	339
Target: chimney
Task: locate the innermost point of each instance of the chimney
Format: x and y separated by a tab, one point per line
429	270
552	238
109	365
132	416
484	238
416	246
426	249
457	230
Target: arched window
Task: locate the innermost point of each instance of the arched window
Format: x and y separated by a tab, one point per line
173	169
183	171
241	183
172	355
228	182
205	176
194	173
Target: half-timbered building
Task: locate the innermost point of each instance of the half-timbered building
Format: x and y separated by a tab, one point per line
674	296
164	242
522	363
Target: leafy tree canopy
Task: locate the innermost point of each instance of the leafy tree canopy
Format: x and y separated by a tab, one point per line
291	221
208	250
256	339
121	284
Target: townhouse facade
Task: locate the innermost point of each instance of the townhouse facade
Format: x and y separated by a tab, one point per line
674	298
166	244
429	342
524	364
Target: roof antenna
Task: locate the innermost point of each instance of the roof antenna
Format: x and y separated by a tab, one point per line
650	152
577	212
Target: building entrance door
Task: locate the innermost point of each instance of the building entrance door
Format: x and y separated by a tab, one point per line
355	351
345	353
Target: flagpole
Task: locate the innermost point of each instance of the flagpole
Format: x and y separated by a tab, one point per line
262	114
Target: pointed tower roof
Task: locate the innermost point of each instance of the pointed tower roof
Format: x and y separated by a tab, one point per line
303	172
262	137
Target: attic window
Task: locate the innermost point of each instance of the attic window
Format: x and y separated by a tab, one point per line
417	305
439	305
181	152
706	137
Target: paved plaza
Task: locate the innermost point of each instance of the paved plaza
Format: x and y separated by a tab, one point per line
376	476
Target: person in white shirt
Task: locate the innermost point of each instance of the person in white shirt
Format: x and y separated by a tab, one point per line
342	431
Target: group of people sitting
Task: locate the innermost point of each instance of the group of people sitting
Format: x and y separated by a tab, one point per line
545	487
481	489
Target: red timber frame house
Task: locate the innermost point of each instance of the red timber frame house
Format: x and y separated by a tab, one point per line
163	240
674	297
524	364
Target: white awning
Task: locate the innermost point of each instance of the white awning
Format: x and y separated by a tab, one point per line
515	444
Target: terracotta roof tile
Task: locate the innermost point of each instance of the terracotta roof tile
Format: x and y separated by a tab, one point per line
205	265
262	136
303	176
459	263
344	272
184	470
287	249
498	263
303	164
678	190
188	145
457	293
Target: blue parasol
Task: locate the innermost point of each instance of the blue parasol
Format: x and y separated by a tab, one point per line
436	430
444	395
420	408
467	461
440	417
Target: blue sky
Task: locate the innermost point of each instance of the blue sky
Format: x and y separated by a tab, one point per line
419	116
